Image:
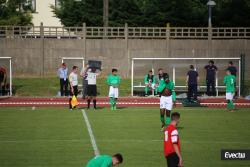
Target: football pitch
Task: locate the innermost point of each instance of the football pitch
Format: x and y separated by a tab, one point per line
52	137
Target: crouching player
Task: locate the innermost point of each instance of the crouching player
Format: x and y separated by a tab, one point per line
229	81
167	100
105	161
149	81
113	81
172	149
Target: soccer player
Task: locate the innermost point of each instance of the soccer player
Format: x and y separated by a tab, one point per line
113	80
210	77
229	81
192	83
167	99
105	161
64	82
172	149
149	81
84	76
92	89
73	81
233	71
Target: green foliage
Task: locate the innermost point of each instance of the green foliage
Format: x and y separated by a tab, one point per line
154	12
14	12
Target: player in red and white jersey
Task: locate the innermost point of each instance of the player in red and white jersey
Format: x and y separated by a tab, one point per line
172	150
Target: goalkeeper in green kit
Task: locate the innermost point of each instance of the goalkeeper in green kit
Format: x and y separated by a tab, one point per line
113	81
167	100
105	161
229	81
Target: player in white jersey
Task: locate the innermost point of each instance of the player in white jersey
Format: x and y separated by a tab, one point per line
92	89
73	81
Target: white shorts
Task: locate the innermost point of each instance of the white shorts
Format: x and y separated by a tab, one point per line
229	96
113	92
166	102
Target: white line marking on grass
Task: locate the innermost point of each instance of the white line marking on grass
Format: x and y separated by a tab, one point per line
91	135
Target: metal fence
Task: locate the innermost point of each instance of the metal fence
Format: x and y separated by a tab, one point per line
124	32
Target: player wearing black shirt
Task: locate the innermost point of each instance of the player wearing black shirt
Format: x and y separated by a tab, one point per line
210	77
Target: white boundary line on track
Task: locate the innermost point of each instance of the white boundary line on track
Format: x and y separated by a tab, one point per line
91	135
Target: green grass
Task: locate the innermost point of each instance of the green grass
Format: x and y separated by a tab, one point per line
50	87
54	137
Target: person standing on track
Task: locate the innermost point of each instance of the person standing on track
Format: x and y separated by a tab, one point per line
229	81
84	76
192	83
73	81
233	71
113	81
211	70
63	75
92	89
172	149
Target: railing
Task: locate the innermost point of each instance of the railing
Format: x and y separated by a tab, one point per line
123	32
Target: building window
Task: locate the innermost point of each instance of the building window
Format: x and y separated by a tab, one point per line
33	5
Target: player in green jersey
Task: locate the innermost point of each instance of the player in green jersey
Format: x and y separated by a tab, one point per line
113	81
105	161
167	100
149	81
229	81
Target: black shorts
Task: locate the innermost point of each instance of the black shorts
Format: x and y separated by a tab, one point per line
75	91
172	160
91	90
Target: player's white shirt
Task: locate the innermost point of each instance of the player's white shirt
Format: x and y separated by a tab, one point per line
73	79
92	78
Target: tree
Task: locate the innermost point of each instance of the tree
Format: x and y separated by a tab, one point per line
73	13
15	12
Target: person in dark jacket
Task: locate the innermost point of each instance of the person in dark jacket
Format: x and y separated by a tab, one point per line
211	70
192	83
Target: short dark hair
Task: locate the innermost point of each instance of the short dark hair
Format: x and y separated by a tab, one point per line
175	116
119	157
114	70
74	67
150	71
211	61
191	67
230	62
160	69
63	64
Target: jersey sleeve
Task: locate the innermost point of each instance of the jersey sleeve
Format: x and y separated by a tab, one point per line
108	80
174	136
119	80
225	80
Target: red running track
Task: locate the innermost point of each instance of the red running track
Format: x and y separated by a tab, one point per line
104	102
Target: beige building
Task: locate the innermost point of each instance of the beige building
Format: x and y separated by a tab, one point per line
43	13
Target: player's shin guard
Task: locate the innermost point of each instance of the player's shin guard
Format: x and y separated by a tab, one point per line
115	101
162	119
231	104
168	119
111	101
94	101
88	101
228	104
146	89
